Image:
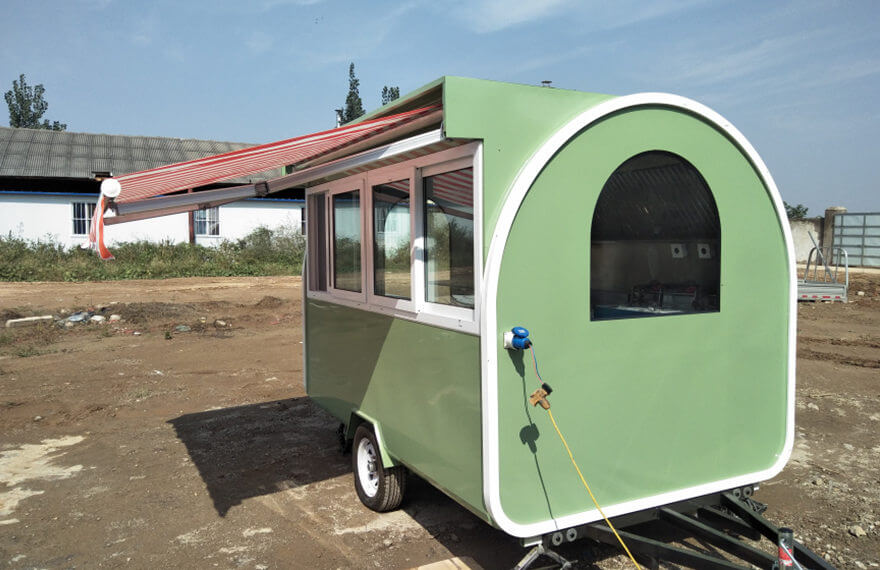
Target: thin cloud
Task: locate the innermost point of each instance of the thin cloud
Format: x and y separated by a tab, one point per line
850	71
348	47
259	42
737	61
623	14
542	62
486	16
777	66
174	53
266	5
144	31
96	4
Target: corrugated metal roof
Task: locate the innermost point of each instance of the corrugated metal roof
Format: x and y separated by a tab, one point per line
61	154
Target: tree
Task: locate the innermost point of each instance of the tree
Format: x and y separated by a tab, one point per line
27	107
389	94
798	212
354	107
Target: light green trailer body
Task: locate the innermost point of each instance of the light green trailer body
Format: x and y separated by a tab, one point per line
656	410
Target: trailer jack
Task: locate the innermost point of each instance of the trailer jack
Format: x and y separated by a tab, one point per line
537	551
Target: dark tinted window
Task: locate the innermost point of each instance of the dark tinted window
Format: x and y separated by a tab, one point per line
655	241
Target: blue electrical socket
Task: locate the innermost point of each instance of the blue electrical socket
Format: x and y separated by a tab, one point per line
517	338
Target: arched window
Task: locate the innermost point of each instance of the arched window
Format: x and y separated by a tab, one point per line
655	241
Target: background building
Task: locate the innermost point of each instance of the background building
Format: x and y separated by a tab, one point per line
50	184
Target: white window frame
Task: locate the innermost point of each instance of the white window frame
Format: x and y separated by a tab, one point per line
207	222
343	186
441	309
417	308
89	210
323	195
384	176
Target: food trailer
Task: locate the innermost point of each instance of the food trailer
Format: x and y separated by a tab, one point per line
641	241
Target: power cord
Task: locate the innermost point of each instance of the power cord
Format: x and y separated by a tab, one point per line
578	469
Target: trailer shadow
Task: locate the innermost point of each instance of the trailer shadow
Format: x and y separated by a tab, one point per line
264	448
465	535
258	449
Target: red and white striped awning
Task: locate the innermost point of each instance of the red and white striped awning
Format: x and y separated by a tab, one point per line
203	171
455	187
195	173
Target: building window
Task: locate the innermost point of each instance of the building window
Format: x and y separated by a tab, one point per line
347	241
449	238
82	217
391	243
207	222
655	241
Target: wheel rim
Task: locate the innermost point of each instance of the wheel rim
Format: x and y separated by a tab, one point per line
368	467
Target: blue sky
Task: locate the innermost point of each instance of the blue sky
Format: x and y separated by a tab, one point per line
800	79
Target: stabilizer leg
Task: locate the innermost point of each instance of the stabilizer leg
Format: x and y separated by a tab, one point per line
537	551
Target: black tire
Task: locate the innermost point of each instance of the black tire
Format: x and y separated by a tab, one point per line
378	487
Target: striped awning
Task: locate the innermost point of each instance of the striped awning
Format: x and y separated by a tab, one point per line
203	171
305	150
456	187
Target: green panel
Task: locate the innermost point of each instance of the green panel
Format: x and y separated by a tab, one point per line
425	95
513	121
649	405
421	383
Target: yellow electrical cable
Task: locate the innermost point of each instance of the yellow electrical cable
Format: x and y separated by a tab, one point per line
584	481
573	462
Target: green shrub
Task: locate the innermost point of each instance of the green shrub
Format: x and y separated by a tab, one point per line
264	251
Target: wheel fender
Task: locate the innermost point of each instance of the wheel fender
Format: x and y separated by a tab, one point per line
357	418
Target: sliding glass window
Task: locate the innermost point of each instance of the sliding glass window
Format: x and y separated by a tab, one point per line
347	241
317	242
449	238
391	240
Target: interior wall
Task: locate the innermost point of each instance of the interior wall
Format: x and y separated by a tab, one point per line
639	262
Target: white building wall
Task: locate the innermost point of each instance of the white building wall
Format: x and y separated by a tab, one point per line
48	216
43	216
800	234
238	219
174	229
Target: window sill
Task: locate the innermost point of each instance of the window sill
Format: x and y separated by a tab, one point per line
451	318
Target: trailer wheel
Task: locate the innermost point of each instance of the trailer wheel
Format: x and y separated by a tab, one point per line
379	488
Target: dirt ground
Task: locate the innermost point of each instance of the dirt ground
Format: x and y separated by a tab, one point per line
180	436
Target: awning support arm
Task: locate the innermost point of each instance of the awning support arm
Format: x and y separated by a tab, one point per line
179	203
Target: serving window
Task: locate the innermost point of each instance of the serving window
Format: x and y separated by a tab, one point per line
347	251
316	212
655	241
392	255
449	238
402	239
